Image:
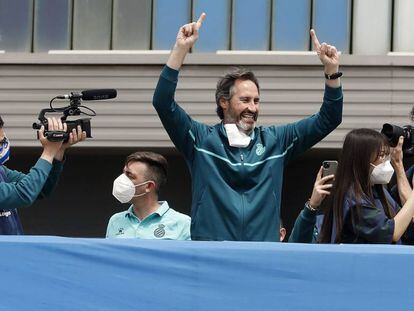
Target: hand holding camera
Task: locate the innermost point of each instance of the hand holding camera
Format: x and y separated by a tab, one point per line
51	148
393	134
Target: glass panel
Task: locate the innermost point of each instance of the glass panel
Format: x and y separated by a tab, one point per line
52	25
131	25
291	24
404	26
92	24
371	17
331	21
168	17
251	25
215	33
16	21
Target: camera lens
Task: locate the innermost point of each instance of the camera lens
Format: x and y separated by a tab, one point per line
325	165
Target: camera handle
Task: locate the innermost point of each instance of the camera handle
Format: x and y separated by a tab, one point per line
71	110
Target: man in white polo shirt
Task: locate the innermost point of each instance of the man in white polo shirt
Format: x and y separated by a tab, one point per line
146	218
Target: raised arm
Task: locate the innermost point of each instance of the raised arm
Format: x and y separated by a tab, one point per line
329	57
186	37
303	230
403	185
181	129
301	135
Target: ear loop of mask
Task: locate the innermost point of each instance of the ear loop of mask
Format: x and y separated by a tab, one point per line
144	193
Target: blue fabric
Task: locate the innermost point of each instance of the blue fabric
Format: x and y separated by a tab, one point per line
53	273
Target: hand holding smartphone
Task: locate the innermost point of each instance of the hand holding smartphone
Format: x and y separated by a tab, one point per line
329	167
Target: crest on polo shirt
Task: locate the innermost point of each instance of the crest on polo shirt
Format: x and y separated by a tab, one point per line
120	231
160	231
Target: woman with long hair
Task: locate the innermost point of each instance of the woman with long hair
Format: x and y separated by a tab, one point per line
359	210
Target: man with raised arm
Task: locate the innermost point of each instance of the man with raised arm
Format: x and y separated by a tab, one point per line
236	166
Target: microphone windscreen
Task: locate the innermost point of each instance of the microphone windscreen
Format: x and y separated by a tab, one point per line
98	94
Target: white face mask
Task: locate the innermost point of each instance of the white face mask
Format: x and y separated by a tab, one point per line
236	137
382	173
124	189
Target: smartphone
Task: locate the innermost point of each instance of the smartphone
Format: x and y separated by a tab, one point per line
329	168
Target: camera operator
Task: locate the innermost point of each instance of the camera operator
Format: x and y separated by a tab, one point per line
21	190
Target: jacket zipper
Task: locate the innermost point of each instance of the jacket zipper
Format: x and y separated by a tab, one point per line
242	201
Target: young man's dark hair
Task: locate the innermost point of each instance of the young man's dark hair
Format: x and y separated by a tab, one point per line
156	163
225	85
143	175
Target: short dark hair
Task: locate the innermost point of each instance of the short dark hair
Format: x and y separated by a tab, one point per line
1	123
225	85
156	163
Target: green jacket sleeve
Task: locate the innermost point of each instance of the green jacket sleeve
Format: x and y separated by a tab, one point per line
181	128
299	136
52	179
303	230
21	190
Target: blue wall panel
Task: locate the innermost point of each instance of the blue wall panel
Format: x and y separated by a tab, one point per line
331	21
16	20
251	25
215	32
291	24
168	17
52	25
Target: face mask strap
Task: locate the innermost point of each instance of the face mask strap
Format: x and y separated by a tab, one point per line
141	184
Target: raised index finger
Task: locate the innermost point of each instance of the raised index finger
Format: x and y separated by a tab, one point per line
201	19
315	41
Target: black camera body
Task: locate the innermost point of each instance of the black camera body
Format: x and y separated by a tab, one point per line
73	109
393	132
84	123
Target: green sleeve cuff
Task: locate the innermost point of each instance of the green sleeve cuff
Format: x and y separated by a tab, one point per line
333	93
170	74
43	165
308	215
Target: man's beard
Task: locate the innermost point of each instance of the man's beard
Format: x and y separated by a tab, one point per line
245	128
238	120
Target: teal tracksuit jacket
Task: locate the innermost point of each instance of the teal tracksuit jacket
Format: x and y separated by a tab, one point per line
236	192
21	190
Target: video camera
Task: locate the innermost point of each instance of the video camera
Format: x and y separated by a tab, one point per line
393	132
73	109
